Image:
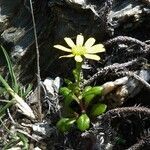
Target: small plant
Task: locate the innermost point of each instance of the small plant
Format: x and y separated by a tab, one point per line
13	93
79	101
16	90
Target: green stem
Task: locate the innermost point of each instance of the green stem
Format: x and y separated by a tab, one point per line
79	70
78	80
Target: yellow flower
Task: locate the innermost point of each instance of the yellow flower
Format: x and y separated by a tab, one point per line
80	50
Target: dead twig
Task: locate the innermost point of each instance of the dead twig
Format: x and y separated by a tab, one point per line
127	40
125	112
38	63
112	67
145	142
135	76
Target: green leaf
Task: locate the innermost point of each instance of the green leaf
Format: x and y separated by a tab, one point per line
69	98
97	90
4	108
64	91
15	85
87	88
89	98
25	141
90	92
27	90
98	109
83	122
68	82
64	124
2	90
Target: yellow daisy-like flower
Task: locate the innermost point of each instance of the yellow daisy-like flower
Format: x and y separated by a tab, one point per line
80	50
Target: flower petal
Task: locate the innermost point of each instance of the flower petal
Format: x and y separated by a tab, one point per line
60	47
90	42
67	56
79	40
78	58
90	56
69	42
96	49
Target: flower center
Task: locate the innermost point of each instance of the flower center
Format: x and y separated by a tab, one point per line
78	50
